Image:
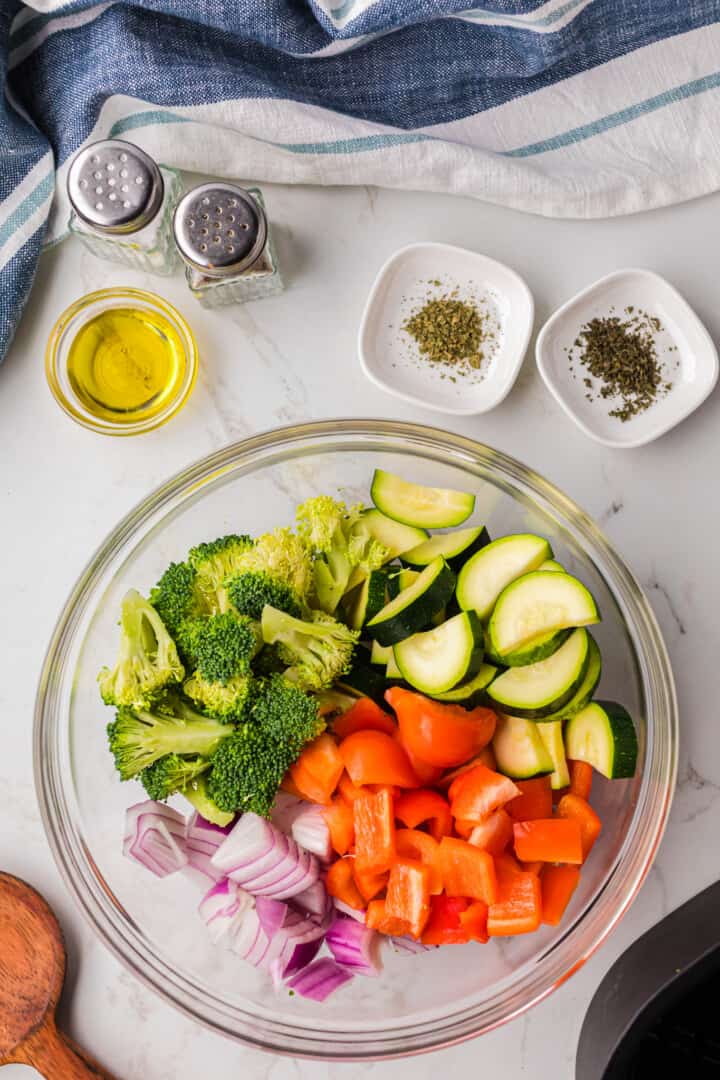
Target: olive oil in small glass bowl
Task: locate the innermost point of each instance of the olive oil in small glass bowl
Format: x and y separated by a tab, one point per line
121	361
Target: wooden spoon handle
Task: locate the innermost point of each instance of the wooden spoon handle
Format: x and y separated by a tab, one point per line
57	1057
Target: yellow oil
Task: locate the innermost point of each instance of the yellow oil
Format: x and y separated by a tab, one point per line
126	363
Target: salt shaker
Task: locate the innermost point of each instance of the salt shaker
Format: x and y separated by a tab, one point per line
223	236
122	204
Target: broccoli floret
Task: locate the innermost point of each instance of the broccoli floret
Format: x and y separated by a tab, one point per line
172	773
285	559
138	738
196	794
174	596
226	702
222	646
268	661
317	652
330	530
213	563
147	661
248	768
250	592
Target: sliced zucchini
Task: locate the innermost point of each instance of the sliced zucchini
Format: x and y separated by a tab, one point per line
552	736
540	648
438	659
367	680
585	691
490	570
553	566
455	547
399	580
519	749
603	735
471	692
537	604
392	671
394	536
380	654
423	507
366	599
538	690
414	607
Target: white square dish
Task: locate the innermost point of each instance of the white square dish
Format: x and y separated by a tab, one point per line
391	359
687	355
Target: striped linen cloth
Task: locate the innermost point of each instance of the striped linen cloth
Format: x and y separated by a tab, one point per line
580	108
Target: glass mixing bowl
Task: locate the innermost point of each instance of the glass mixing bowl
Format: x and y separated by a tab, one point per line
420	1002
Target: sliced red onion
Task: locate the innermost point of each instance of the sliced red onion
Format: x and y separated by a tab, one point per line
407	946
305	822
320	979
354	913
314	899
291	946
223	908
271	913
354	946
155	837
264	861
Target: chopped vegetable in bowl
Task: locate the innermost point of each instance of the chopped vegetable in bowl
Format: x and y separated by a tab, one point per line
380	734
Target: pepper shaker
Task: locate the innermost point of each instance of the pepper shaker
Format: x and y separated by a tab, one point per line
222	234
122	204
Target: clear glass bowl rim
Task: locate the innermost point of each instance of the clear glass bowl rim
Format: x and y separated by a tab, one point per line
573	947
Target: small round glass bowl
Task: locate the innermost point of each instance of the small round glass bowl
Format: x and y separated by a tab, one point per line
420	1002
154	413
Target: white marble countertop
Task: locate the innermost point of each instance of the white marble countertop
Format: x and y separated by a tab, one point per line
294	358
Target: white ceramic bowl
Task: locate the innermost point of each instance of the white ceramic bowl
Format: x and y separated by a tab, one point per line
685	348
391	359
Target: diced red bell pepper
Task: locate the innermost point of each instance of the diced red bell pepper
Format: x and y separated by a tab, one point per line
408	894
464	828
372	757
519	906
494	833
364	715
317	771
414	844
442	735
506	867
475	794
581	778
466	870
340	882
378	919
536	867
340	821
548	840
533	802
558	884
426	774
485	757
444	926
474	921
349	791
374	820
573	808
416	807
369	882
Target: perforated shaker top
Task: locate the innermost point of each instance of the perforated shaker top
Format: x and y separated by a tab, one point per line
220	229
115	186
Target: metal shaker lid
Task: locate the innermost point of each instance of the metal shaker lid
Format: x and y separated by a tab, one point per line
220	229
115	186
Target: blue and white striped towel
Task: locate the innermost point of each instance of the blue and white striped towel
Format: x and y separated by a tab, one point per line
579	108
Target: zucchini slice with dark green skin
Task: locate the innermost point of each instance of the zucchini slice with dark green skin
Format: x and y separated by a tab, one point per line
536	604
391	534
541	689
519	749
490	570
413	608
471	692
540	648
366	599
438	659
399	580
603	735
585	691
552	736
380	654
455	547
423	507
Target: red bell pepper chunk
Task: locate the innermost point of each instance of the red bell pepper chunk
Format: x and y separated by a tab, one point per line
442	735
414	844
408	894
466	870
485	757
444	926
581	778
494	833
558	884
548	840
372	757
340	882
347	790
317	771
340	821
426	774
369	883
364	715
533	802
377	918
416	807
474	921
374	820
519	906
573	808
476	793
